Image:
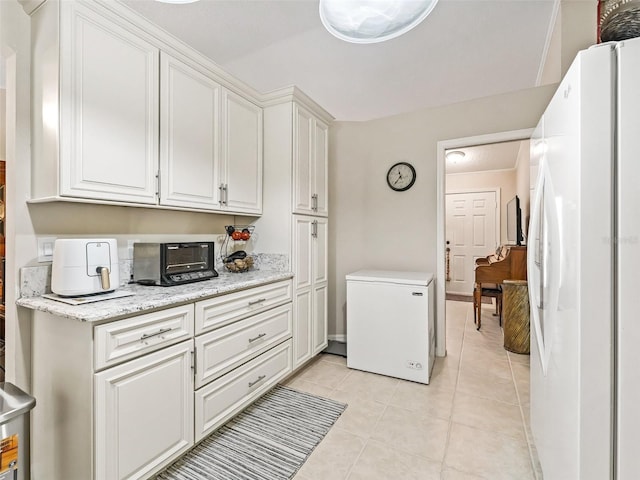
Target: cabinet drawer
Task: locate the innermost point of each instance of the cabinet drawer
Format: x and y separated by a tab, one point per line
225	348
225	397
222	310
136	336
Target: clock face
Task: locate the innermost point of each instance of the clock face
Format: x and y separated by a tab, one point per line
401	176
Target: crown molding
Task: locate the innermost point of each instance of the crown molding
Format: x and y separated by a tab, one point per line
30	6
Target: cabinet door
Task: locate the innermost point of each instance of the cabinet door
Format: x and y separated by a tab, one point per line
242	153
302	160
319	204
302	252
319	249
302	329
189	136
143	413
319	318
109	109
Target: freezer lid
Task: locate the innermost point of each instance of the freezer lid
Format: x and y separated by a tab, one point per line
391	276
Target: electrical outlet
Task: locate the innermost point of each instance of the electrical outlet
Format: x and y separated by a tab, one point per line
45	248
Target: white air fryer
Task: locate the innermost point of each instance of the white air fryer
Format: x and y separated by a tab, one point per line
84	266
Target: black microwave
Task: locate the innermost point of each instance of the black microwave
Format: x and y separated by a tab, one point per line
169	264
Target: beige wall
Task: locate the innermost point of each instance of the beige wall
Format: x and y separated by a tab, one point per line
575	29
522	183
504	180
374	227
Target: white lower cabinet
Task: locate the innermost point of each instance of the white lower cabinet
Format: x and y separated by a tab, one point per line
311	280
124	399
143	413
223	398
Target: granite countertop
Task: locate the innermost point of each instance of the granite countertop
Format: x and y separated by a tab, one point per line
148	298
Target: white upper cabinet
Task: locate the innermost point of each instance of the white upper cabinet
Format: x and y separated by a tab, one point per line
189	136
125	114
108	109
241	168
321	145
309	163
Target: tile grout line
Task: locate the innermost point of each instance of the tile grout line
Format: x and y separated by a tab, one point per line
386	406
453	399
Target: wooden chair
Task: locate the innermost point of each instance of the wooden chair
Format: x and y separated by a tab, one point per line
486	290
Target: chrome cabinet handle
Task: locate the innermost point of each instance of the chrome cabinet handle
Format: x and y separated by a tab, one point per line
314	231
260	300
314	204
259	379
251	340
159	332
224	194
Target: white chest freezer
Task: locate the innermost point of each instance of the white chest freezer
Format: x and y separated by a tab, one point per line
390	323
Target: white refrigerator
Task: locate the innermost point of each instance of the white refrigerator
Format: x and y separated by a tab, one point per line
584	269
390	323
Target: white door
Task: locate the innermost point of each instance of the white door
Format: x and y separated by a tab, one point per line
143	413
109	110
471	234
189	145
242	154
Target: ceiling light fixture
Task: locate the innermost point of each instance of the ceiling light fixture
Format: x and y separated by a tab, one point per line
455	156
372	21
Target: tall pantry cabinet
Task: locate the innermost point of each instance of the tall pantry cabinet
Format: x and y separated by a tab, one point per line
295	213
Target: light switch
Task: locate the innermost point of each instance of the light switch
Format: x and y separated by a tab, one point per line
45	248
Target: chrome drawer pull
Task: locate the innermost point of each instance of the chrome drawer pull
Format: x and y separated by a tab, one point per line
260	378
159	332
251	340
260	300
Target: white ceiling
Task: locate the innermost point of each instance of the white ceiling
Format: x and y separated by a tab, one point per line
481	158
465	49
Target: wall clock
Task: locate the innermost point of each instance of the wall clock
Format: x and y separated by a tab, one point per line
401	176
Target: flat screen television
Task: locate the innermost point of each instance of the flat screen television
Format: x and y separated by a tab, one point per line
514	222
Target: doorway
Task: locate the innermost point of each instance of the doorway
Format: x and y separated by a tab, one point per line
472	220
442	148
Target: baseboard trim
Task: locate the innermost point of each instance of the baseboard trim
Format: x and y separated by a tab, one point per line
338	338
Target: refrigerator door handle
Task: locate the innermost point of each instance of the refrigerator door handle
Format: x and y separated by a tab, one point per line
535	264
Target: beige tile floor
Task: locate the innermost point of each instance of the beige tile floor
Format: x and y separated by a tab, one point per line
469	423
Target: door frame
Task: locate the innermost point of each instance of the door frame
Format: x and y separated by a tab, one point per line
442	146
497	225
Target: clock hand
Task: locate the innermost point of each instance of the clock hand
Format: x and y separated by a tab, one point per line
398	179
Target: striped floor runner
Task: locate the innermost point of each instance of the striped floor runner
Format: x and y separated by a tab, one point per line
270	440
